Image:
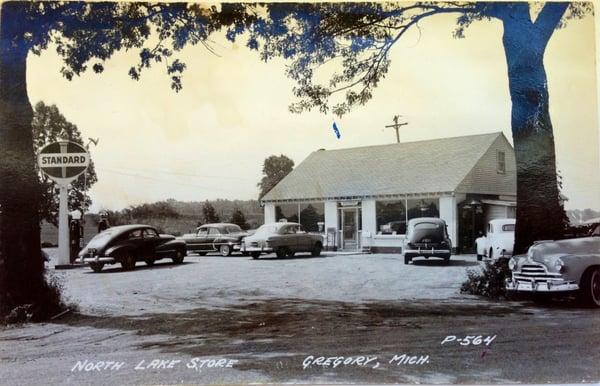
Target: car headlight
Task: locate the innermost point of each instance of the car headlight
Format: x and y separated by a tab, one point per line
512	264
559	265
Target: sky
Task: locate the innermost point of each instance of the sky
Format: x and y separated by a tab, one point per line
209	140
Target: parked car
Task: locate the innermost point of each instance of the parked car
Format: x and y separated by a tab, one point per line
222	237
498	240
562	266
427	237
128	244
285	239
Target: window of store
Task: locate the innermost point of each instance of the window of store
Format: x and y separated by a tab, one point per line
501	158
288	212
423	208
391	217
311	215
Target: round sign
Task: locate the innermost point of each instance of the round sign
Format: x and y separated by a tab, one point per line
63	161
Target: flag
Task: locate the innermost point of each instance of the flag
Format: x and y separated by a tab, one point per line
336	131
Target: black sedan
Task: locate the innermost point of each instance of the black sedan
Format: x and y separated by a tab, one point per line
128	244
219	237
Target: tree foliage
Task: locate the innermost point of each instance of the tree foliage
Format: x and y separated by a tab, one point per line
238	218
353	40
275	168
209	213
49	125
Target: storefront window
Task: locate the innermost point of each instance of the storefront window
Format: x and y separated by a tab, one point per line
423	208
391	217
311	215
286	211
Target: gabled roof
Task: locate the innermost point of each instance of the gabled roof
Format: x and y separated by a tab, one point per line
430	166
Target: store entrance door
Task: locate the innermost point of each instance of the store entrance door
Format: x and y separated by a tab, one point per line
349	228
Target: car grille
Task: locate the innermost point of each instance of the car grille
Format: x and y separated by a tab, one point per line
534	272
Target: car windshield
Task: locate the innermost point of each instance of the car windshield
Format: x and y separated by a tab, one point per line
265	230
508	228
233	229
435	231
101	238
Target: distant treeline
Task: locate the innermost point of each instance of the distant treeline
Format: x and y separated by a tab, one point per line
178	217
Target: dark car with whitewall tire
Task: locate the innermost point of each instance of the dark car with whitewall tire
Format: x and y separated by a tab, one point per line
223	238
426	237
284	238
559	267
128	244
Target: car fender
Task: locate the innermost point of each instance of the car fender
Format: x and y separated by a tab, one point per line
576	265
172	244
115	250
481	244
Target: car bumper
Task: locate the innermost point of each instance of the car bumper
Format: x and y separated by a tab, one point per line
427	252
257	249
98	259
555	285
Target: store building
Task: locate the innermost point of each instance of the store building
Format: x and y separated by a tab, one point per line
362	198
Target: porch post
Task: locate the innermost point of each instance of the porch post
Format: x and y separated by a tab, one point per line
331	218
269	212
449	213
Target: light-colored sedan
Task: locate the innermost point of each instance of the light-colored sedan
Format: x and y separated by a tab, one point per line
499	239
283	238
561	266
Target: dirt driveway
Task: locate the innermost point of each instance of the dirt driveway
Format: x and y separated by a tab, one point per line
361	318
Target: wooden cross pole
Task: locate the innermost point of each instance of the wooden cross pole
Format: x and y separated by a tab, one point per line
396	126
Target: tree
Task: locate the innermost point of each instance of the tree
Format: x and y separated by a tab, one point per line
359	37
275	168
84	35
209	213
238	218
49	125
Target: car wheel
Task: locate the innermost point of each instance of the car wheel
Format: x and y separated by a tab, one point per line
281	252
447	259
149	262
591	287
178	257
225	250
316	250
128	261
406	259
255	255
289	253
479	257
246	254
96	267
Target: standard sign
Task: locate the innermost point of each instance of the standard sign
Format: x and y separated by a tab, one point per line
63	161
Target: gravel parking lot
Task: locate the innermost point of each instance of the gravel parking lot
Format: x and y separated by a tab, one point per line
215	320
216	281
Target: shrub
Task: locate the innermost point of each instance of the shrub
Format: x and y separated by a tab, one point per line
488	281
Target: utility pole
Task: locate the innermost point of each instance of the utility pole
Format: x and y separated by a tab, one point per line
396	126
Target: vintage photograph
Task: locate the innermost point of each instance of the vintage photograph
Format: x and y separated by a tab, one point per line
299	192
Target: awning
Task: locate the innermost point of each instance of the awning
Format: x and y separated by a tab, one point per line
499	202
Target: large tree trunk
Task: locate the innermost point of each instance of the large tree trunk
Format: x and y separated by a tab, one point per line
21	265
540	214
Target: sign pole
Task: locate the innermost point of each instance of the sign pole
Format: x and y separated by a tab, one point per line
63	227
63	161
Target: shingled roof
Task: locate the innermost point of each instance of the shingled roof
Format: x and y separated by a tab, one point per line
430	166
